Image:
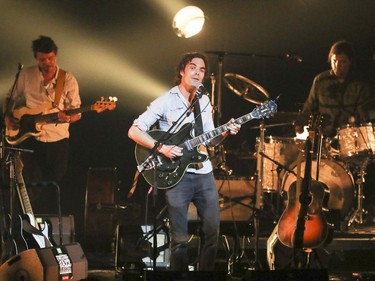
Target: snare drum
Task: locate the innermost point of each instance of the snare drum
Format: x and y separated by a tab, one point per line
284	151
338	180
356	142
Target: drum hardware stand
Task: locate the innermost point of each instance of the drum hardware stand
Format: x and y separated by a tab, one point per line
280	167
360	212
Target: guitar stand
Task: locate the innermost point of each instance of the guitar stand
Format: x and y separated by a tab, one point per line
306	259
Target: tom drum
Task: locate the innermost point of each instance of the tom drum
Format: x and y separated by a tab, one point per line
284	151
355	142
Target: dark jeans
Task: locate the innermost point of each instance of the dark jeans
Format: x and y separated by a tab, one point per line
48	162
202	191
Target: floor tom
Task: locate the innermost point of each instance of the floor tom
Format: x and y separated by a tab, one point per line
336	177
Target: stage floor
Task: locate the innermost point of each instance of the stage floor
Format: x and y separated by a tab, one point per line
349	255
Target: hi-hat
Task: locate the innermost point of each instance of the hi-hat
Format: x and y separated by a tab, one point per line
246	88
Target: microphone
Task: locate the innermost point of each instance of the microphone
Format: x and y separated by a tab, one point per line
293	57
201	90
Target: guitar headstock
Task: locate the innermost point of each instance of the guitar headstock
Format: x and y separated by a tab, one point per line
104	104
315	122
264	110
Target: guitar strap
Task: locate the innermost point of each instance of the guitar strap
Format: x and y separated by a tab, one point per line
198	128
59	86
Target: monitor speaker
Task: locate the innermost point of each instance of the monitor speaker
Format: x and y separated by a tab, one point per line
66	262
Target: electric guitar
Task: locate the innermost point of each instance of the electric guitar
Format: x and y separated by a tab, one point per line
303	224
163	172
34	233
31	120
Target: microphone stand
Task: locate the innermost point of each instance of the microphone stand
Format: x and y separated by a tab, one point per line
151	158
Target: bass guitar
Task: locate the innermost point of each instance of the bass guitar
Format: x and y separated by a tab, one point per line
165	173
32	120
303	224
34	233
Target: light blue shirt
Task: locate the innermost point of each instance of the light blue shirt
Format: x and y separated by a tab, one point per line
167	109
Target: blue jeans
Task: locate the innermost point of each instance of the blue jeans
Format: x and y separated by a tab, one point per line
202	191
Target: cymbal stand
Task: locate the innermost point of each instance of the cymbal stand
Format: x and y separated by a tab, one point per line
258	195
359	212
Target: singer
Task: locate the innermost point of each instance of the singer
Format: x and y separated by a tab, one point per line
198	184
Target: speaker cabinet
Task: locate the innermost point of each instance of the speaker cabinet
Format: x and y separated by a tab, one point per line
99	226
67	228
235	198
49	264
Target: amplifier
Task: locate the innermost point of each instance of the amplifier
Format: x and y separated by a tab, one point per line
67	225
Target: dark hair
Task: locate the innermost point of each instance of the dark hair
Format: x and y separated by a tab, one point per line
342	47
44	44
186	59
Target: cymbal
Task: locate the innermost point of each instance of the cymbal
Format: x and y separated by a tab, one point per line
279	119
273	125
246	88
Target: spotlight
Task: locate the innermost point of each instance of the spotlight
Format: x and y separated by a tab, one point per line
188	21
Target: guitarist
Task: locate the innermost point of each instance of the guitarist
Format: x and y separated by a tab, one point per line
198	184
48	87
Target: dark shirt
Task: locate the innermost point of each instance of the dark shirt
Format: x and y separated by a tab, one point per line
337	102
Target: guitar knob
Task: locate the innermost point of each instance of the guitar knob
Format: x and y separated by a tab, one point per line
161	175
169	182
175	175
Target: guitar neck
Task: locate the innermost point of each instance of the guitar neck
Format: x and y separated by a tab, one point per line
194	142
24	199
52	117
21	187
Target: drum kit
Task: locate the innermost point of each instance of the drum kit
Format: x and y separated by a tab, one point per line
340	163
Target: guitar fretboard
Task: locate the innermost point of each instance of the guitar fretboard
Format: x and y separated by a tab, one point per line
260	112
52	117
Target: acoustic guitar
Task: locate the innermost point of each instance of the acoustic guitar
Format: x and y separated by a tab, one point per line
303	224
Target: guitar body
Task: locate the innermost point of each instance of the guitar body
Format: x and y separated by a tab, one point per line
169	172
16	242
316	228
28	125
35	240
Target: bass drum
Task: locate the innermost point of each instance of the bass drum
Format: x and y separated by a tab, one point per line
339	181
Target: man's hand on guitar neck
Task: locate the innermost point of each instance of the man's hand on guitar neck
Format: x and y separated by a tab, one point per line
64	118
